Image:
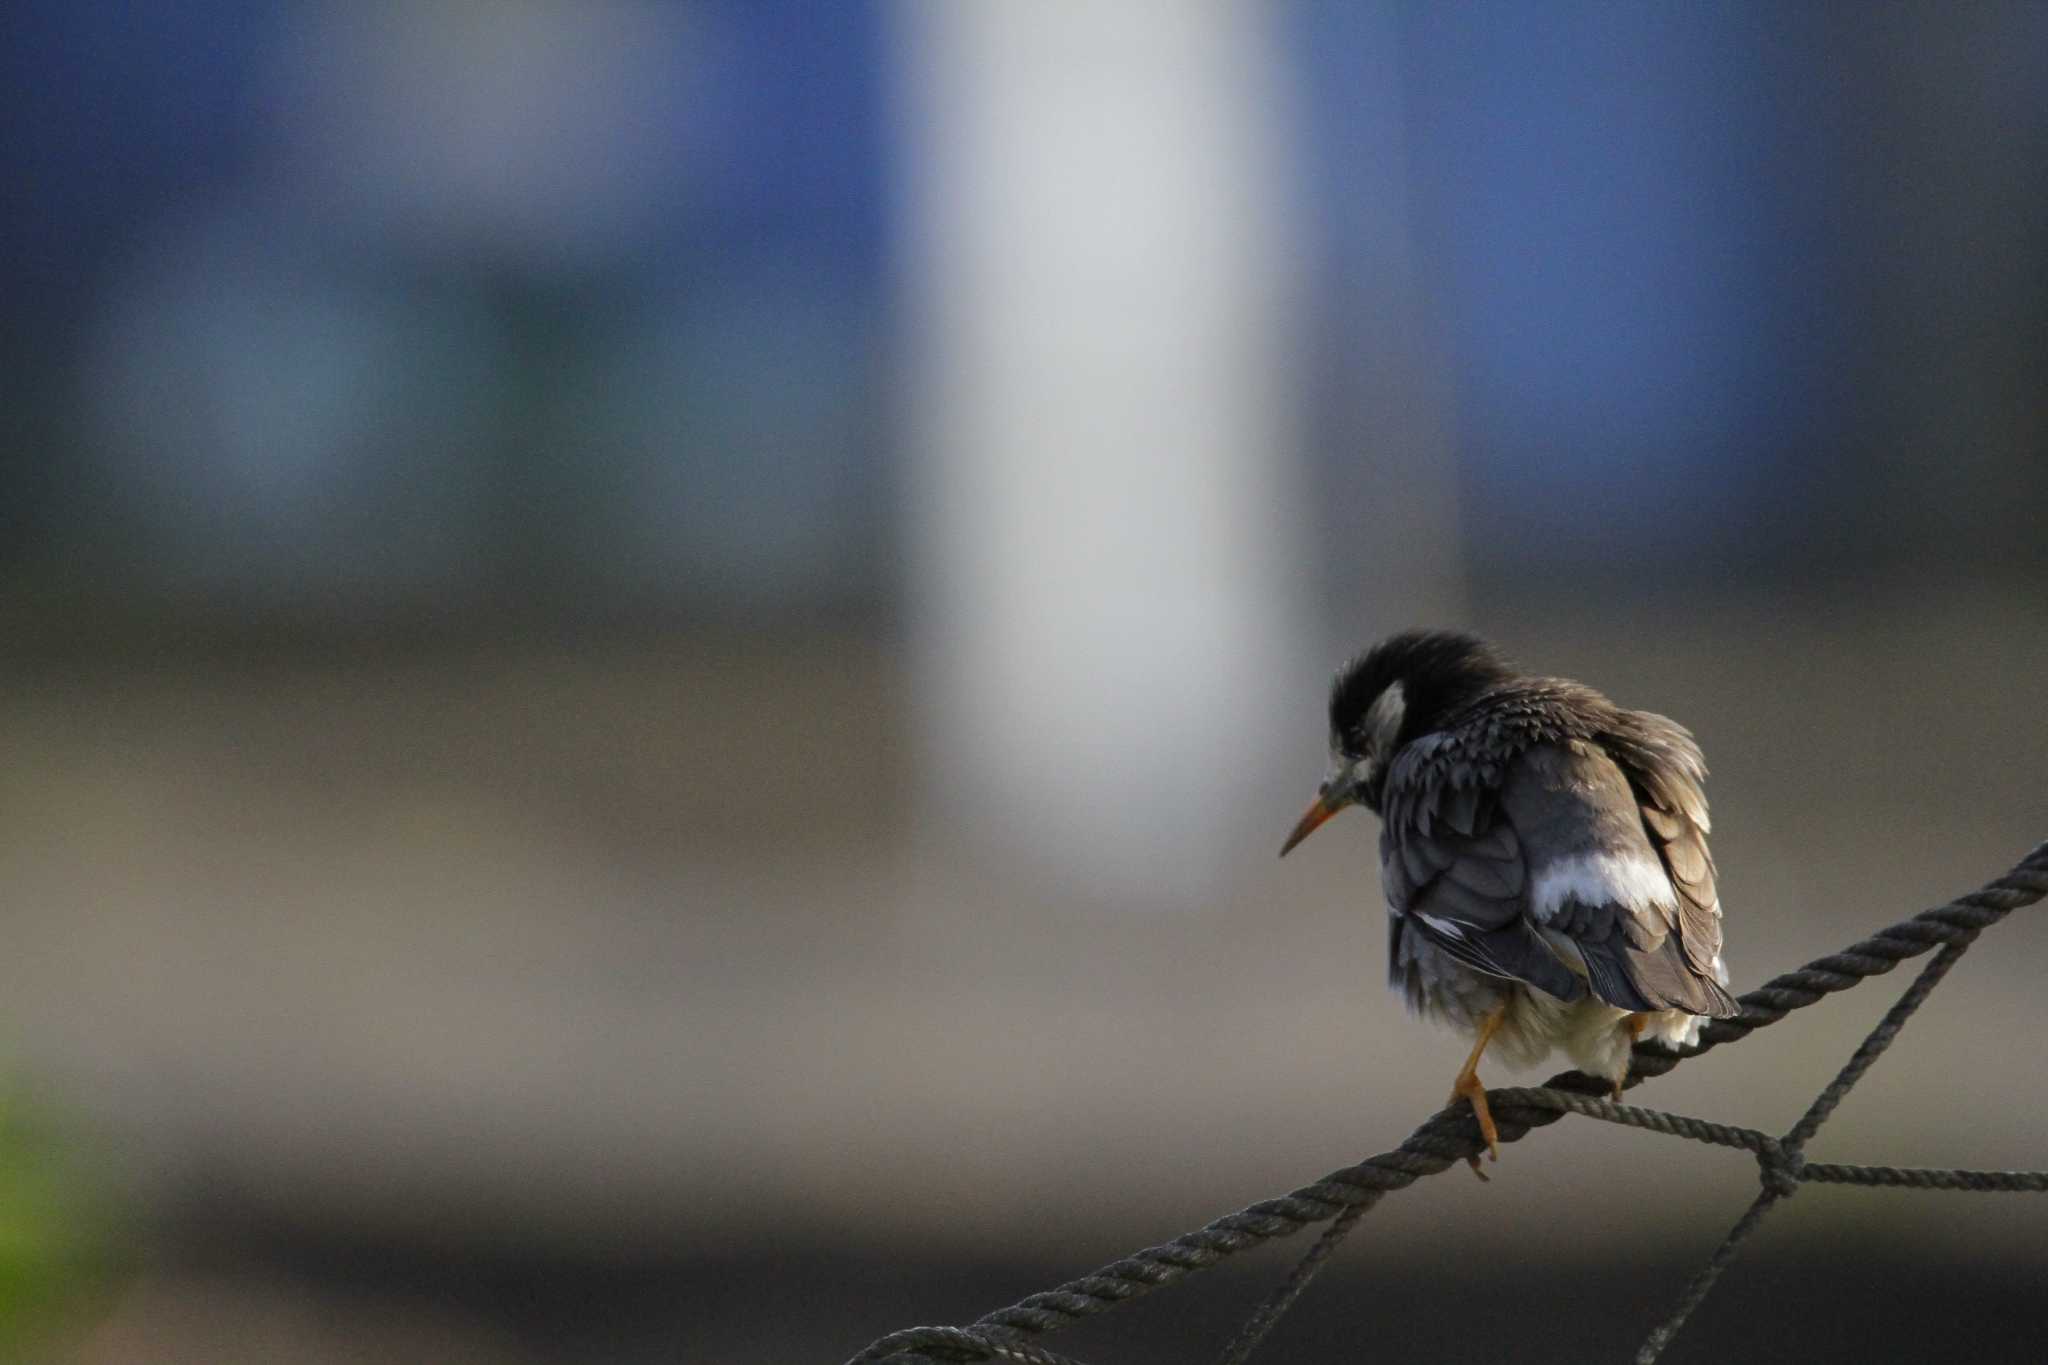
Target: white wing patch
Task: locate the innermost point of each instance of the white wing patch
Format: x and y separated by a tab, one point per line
1449	928
1600	879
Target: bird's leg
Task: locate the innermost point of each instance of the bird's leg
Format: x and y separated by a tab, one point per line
1467	1087
1635	1024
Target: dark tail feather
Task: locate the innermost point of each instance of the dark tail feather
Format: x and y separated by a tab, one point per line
1514	952
1648	979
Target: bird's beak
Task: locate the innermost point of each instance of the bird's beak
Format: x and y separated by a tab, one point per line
1325	806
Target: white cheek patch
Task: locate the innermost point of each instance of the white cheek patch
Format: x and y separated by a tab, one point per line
1600	879
1383	721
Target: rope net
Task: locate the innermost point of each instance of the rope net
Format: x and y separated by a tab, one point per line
1452	1135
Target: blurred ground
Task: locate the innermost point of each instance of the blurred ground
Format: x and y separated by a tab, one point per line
287	931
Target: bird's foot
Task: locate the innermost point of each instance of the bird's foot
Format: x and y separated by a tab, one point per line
1468	1088
1635	1024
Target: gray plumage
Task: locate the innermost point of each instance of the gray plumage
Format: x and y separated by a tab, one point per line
1535	777
1541	849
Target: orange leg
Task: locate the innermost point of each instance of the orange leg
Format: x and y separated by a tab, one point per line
1467	1086
1635	1024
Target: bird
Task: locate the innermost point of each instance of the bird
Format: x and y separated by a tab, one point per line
1543	854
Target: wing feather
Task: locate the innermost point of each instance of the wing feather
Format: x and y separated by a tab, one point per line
1668	776
1456	874
1475	816
1605	882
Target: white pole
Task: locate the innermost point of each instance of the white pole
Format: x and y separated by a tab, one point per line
1110	563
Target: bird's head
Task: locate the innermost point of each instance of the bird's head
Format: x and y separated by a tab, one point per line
1402	687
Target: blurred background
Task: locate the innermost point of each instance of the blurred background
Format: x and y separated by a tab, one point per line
655	653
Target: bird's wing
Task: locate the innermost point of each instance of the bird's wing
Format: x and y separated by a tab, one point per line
1454	870
1602	888
1664	767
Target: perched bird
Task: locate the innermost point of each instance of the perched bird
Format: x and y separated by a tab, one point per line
1543	853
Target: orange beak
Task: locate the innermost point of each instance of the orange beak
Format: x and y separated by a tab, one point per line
1312	821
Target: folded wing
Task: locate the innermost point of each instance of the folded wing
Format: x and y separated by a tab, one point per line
1619	880
1455	872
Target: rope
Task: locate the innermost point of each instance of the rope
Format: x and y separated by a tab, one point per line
1926	1178
1266	1314
1650	1120
1703	1283
1782	1162
1805	1172
915	1345
1452	1135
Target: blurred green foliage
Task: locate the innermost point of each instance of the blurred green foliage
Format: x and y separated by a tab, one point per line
58	1225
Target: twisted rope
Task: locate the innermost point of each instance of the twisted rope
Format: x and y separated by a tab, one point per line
1452	1135
1927	1178
1703	1283
1783	1162
915	1345
1248	1337
1763	1144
